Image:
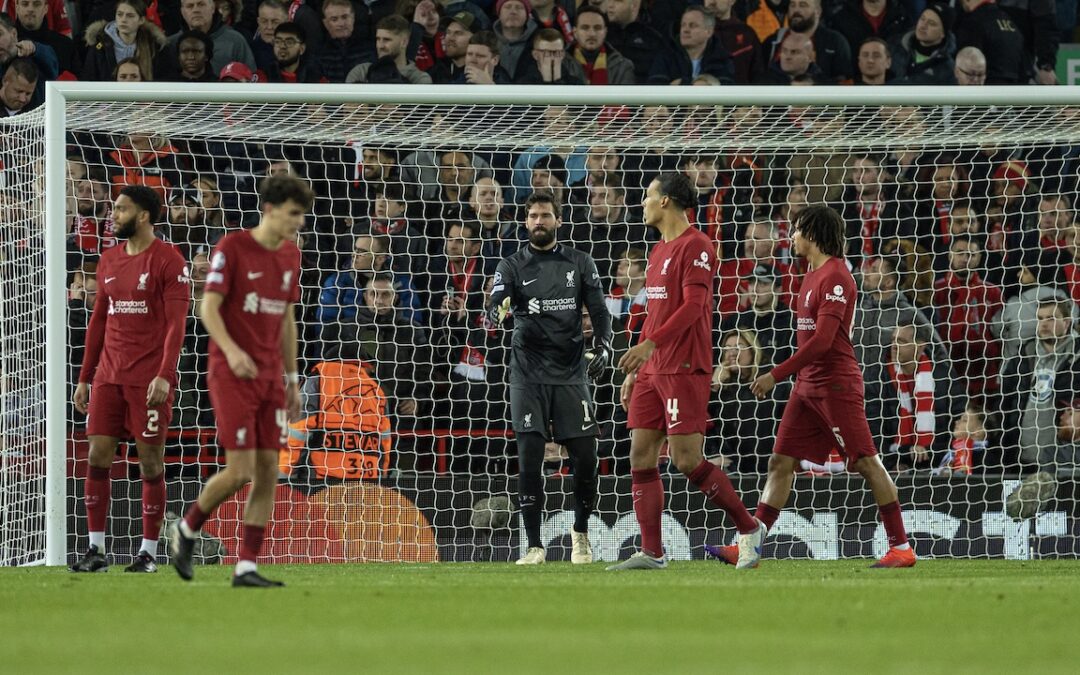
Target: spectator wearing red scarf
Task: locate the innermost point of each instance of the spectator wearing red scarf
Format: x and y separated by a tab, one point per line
601	63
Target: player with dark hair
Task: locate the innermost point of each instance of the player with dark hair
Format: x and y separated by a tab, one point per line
826	409
132	346
667	388
547	285
248	310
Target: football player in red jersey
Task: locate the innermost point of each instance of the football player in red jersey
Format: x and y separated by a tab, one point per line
132	347
248	310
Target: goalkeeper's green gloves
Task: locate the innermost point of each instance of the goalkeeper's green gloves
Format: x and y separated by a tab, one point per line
500	311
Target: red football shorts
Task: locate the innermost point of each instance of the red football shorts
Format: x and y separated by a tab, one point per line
811	427
119	410
250	414
675	404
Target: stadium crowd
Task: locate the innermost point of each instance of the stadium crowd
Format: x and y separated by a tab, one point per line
967	259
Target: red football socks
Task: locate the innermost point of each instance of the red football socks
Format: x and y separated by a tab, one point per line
648	494
894	523
98	491
716	485
153	506
195	517
767	514
252	542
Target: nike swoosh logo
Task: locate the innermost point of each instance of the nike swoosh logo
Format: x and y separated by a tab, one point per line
254	275
147	434
108	279
586	426
674	424
526	283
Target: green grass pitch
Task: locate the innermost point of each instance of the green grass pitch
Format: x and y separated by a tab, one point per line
944	616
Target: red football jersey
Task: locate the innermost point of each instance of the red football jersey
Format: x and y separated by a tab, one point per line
830	289
134	289
688	260
258	285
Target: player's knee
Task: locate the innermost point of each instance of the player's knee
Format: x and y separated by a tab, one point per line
686	462
781	465
150	467
101	455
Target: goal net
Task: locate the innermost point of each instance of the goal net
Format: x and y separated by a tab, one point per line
960	234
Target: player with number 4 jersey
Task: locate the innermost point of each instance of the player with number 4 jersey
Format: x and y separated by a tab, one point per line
253	283
666	391
132	347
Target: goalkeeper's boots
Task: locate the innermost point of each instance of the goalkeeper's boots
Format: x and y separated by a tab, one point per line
534	556
897	558
750	547
581	554
183	550
728	555
253	579
92	561
144	563
639	561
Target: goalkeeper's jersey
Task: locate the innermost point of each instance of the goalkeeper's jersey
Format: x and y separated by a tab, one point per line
547	291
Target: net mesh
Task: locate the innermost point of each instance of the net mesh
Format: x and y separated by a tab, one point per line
22	347
959	224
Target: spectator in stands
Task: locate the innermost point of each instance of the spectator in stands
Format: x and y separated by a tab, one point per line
1064	461
145	160
970	67
457	32
482	60
31	25
380	335
92	227
572	158
548	62
1055	222
744	424
940	189
442	183
501	234
128	70
740	41
911	380
514	28
56	14
874	62
602	63
128	35
763	312
195	53
344	46
757	247
883	307
924	55
796	60
833	54
603	226
1038	23
291	63
965	306
765	17
273	13
1042	381
1041	279
859	20
41	55
626	302
989	28
342	292
969	437
695	52
228	45
873	208
391	65
633	37
17	87
556	15
457	285
407	249
238	72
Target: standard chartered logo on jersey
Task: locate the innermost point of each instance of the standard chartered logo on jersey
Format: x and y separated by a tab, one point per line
128	307
253	304
536	306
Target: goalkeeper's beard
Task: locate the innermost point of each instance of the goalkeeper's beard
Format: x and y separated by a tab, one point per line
541	237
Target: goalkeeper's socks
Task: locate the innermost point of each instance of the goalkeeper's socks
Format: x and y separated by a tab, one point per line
648	494
893	521
716	485
96	496
767	514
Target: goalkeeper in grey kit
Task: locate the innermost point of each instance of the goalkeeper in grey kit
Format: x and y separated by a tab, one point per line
546	286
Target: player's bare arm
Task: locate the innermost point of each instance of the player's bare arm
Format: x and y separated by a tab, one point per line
626	390
240	363
288	357
636	356
95	341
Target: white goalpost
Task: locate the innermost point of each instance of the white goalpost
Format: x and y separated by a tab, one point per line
420	464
